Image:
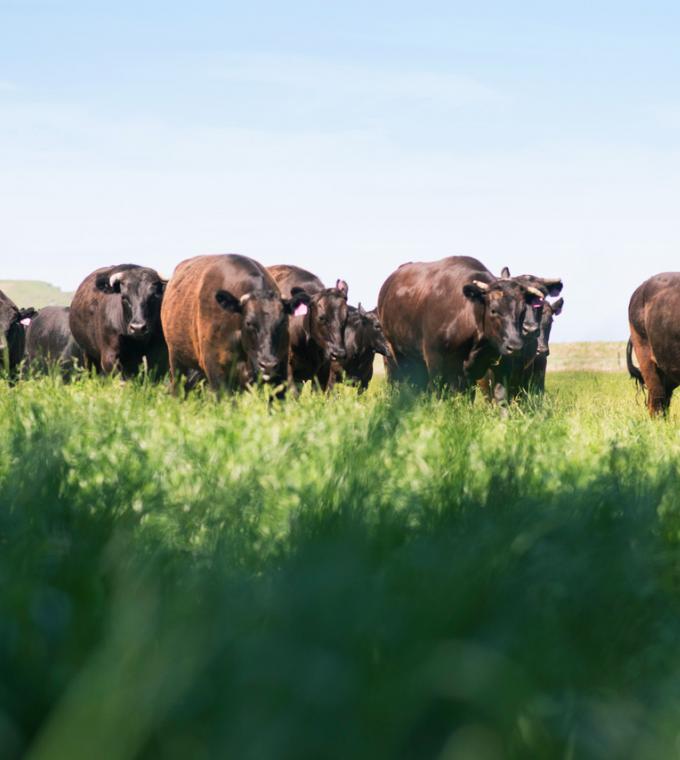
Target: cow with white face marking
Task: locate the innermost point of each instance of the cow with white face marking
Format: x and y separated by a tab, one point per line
12	334
115	319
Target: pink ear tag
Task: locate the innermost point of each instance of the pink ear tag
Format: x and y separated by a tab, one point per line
538	304
26	322
300	310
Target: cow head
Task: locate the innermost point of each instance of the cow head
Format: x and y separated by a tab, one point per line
541	287
504	304
141	293
326	320
264	329
550	311
364	334
10	325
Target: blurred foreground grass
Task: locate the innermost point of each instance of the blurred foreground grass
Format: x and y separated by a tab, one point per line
377	576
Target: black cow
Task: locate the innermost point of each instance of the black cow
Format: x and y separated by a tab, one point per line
525	371
12	334
50	342
317	337
364	338
115	319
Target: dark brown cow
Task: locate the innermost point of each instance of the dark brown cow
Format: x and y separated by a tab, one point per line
364	338
525	372
317	335
654	316
448	321
224	318
115	319
12	334
50	342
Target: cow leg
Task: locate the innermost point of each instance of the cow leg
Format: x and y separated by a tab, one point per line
446	372
215	375
109	361
659	390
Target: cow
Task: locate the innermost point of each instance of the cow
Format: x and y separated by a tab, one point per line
448	321
50	342
364	338
224	319
115	319
317	332
525	371
12	334
654	317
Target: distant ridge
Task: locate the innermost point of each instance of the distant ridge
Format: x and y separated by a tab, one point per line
34	293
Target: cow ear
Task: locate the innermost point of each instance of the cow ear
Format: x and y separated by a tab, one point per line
103	283
160	287
505	273
108	283
26	314
556	306
554	286
228	301
343	287
474	292
298	302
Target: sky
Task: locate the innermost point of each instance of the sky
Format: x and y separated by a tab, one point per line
346	138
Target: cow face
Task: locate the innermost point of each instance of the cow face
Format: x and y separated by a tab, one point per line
541	287
11	329
327	319
141	293
549	312
364	334
504	308
264	329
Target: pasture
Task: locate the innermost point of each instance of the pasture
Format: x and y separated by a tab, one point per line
385	575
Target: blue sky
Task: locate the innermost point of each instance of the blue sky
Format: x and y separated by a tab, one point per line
347	138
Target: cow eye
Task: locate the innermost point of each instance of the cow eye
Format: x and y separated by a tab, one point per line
322	319
251	324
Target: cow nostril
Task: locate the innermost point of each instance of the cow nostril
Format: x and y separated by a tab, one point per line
138	327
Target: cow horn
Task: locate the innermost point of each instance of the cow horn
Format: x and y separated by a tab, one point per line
481	285
535	292
245	298
117	277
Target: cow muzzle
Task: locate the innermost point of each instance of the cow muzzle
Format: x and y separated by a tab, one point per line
138	329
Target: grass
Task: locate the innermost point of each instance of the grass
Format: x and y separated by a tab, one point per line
376	576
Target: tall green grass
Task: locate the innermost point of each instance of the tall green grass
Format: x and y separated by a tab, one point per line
348	576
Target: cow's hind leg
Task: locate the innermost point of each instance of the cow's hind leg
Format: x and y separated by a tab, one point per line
659	389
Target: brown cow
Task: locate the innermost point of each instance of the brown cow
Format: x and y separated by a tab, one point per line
223	317
317	335
448	321
654	316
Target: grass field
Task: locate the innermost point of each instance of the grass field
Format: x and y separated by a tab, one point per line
350	577
34	293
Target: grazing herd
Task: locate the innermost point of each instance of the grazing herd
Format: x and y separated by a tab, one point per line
231	322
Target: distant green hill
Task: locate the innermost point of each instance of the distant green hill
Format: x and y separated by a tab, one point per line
34	293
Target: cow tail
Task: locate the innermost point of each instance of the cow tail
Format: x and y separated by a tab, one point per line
633	371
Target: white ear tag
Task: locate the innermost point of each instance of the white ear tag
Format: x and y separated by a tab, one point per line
300	310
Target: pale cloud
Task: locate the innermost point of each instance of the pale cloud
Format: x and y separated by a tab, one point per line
333	80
